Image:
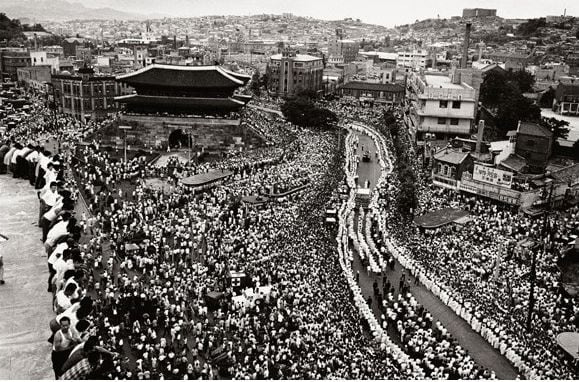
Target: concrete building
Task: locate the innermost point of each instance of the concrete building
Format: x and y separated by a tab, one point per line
34	76
38	58
478	12
566	99
289	73
375	92
444	107
85	95
11	59
342	50
535	144
448	167
415	59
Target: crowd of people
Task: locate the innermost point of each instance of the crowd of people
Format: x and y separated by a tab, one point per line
143	282
478	271
140	279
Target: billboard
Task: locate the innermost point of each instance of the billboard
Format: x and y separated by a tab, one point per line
492	175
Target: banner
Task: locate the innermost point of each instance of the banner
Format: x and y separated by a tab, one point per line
492	175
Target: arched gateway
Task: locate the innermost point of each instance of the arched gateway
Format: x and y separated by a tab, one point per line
199	101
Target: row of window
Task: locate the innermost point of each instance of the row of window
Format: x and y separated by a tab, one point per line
444	104
453	121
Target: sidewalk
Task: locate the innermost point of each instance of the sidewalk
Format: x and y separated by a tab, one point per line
25	307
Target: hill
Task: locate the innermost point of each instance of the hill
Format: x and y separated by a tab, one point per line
61	10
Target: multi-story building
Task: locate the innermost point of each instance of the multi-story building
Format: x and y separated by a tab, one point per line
11	59
289	73
478	12
85	95
415	59
444	107
378	92
34	76
566	99
343	51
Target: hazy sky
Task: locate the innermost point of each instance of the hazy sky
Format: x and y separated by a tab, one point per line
384	12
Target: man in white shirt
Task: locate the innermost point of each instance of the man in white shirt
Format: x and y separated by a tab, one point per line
62	300
55	255
48	198
32	159
59	230
13	159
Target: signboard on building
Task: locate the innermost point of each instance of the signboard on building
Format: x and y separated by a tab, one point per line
492	175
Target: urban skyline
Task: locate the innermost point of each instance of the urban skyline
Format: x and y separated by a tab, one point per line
385	13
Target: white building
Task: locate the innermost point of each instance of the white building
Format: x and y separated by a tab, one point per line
444	107
415	59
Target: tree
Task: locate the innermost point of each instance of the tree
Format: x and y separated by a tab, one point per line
547	98
303	112
265	80
492	89
523	79
558	127
531	26
514	108
576	150
255	83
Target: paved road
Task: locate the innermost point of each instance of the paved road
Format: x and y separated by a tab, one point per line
25	305
479	349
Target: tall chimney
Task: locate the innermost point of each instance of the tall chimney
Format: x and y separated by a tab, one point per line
464	60
35	42
175	42
479	138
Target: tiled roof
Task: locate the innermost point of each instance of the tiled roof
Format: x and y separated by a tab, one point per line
534	129
451	156
208	76
514	162
567	174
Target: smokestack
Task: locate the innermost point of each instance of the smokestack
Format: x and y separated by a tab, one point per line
175	41
35	42
464	60
479	138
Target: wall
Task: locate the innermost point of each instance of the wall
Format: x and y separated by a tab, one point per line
212	134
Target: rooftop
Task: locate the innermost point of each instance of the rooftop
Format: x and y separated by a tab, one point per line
202	76
373	86
534	129
451	156
443	82
297	57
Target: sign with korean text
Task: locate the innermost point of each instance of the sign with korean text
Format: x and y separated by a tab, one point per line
492	175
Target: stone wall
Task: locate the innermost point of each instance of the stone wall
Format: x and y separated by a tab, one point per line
207	133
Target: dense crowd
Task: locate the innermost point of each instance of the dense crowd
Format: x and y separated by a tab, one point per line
148	284
141	280
478	271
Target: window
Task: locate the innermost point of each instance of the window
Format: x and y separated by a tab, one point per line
454	121
443	104
530	143
442	121
456	104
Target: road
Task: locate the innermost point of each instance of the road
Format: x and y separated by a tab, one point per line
479	349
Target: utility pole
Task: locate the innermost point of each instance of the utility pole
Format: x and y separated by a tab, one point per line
534	259
125	128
